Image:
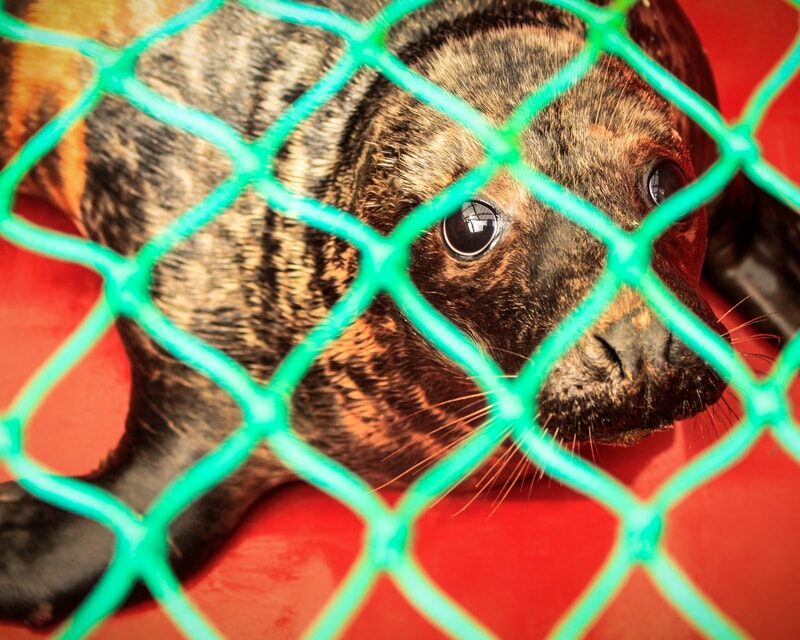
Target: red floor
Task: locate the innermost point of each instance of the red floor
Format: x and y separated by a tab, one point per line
516	568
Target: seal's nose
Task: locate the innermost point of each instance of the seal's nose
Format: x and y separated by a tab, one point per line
634	348
626	377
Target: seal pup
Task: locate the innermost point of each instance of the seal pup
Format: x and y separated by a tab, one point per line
503	267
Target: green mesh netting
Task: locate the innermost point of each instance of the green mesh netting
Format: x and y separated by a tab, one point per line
141	548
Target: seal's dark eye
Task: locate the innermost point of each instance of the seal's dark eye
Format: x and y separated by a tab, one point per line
664	180
472	230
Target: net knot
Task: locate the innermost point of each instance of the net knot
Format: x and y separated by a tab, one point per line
629	259
604	25
513	409
144	541
367	44
250	164
766	406
126	285
265	413
740	146
505	149
386	262
644	530
116	68
391	538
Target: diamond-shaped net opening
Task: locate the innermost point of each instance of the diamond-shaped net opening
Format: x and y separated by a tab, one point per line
141	548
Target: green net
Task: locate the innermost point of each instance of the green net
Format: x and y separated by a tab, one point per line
387	548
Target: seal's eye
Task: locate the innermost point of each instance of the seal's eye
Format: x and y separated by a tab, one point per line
472	230
664	180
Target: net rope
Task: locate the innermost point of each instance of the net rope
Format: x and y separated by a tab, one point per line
141	549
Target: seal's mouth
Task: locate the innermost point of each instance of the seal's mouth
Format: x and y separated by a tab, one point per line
620	383
623	413
629	437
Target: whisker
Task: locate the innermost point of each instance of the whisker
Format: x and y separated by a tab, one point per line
721	425
438	452
758	337
485	410
452	488
518	470
515	448
711	423
502	459
736	417
540	473
592	442
704	423
760	356
742	301
438	405
505	376
761	318
482	483
513	353
721	408
724	421
710	420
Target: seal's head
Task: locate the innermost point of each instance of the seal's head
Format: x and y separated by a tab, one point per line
506	269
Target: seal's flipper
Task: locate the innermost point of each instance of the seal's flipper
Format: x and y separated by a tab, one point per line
754	256
50	558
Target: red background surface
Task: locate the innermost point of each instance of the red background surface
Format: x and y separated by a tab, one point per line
516	567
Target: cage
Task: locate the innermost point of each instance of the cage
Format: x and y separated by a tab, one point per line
517	561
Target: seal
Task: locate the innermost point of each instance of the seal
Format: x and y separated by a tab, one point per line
503	267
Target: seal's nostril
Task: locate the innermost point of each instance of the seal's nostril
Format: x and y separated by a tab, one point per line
634	348
610	353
